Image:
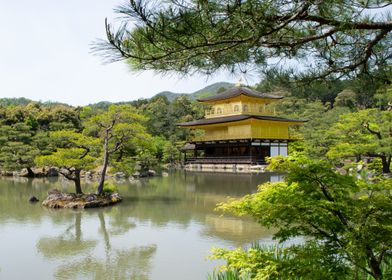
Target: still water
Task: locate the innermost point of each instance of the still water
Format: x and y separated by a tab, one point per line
164	229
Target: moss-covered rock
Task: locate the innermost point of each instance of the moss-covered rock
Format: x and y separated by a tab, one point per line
58	199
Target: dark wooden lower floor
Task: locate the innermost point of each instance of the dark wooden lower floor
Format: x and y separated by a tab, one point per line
250	151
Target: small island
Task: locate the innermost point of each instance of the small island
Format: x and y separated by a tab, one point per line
57	199
105	135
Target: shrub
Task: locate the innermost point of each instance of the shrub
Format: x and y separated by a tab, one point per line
109	188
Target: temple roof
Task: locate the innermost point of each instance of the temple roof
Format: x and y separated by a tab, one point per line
236	118
236	91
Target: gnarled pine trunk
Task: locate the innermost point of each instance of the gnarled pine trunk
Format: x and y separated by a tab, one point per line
78	187
105	163
30	172
386	162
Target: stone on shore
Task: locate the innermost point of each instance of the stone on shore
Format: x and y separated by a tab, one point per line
33	199
58	199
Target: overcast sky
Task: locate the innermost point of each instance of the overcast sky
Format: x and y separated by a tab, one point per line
45	55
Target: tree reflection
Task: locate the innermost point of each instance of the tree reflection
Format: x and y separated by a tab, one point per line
124	264
79	255
68	243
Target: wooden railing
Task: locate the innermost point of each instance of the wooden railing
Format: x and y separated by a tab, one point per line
227	138
221	160
267	112
220	137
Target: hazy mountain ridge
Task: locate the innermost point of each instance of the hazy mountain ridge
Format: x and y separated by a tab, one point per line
22	101
204	92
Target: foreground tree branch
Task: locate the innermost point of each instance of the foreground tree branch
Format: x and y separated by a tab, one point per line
312	206
330	37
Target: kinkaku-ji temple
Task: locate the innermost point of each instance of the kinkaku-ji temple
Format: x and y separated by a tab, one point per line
240	129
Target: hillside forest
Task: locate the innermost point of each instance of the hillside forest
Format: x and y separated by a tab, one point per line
348	121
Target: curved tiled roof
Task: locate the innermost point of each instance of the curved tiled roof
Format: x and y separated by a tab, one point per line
235	119
236	91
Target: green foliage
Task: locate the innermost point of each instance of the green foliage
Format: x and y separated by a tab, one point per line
74	152
375	166
163	116
171	153
36	129
329	37
319	118
18	149
122	127
346	98
363	133
109	188
121	131
125	165
293	263
14	101
384	97
226	275
145	161
70	158
24	131
344	221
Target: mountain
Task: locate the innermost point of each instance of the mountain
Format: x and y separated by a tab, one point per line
21	101
204	92
169	95
211	90
14	101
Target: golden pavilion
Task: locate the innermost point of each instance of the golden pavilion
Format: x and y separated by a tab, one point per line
240	127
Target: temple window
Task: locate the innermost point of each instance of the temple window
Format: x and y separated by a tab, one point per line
219	111
212	111
260	109
245	108
236	108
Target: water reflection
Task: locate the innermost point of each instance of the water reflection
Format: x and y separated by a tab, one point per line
123	264
117	263
163	221
68	243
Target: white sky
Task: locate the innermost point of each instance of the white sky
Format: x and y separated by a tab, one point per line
45	55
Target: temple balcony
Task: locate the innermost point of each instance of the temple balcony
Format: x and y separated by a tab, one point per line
239	137
238	109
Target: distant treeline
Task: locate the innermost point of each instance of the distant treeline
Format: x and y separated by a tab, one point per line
330	106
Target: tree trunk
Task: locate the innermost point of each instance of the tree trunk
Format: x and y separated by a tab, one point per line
385	164
105	163
375	267
30	172
78	187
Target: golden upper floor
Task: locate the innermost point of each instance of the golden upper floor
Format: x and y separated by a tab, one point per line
243	127
238	101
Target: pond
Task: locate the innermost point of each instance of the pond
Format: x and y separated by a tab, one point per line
164	229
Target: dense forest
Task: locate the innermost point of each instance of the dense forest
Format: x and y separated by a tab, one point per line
348	121
30	130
